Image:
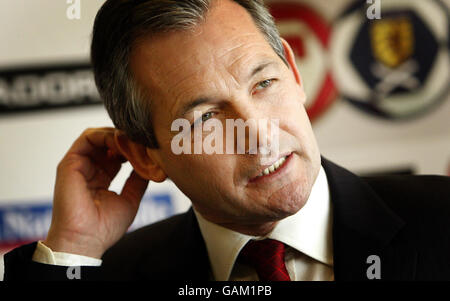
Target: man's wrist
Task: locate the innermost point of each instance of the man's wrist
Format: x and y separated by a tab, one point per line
74	246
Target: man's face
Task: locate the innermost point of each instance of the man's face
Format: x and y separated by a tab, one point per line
216	62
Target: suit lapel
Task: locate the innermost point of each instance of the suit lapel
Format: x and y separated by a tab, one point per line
183	256
362	226
192	261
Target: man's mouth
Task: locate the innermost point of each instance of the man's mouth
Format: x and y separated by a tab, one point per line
272	169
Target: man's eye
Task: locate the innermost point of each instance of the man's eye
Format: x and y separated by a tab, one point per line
264	84
204	117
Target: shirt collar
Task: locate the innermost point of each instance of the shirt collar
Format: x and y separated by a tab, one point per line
308	231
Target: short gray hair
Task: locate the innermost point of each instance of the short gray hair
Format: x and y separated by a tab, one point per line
119	23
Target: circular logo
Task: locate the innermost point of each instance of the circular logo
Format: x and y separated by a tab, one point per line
308	34
394	65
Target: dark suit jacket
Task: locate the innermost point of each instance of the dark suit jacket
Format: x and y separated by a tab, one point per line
404	220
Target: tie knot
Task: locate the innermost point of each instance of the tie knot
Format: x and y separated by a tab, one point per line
267	258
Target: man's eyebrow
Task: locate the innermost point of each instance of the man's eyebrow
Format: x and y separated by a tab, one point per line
192	104
261	67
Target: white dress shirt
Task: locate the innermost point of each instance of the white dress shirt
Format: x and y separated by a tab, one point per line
307	234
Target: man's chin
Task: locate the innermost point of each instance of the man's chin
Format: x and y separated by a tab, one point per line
289	200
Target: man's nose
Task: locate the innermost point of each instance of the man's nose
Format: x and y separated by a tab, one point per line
259	129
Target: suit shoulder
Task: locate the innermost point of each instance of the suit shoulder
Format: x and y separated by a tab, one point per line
152	238
422	201
418	188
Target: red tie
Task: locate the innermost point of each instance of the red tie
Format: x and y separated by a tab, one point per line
267	258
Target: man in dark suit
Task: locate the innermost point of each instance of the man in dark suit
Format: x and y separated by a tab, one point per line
296	216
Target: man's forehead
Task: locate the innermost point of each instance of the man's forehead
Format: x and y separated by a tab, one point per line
171	66
217	34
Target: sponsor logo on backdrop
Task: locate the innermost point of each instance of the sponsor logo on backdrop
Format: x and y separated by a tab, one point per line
21	224
308	33
47	87
395	67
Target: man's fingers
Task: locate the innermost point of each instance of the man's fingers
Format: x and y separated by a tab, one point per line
134	188
94	139
73	162
95	175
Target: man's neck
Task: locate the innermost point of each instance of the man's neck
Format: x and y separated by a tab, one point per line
251	229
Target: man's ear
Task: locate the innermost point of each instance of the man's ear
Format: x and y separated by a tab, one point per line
145	163
290	57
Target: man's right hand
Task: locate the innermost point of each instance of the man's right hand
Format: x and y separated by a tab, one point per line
88	218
